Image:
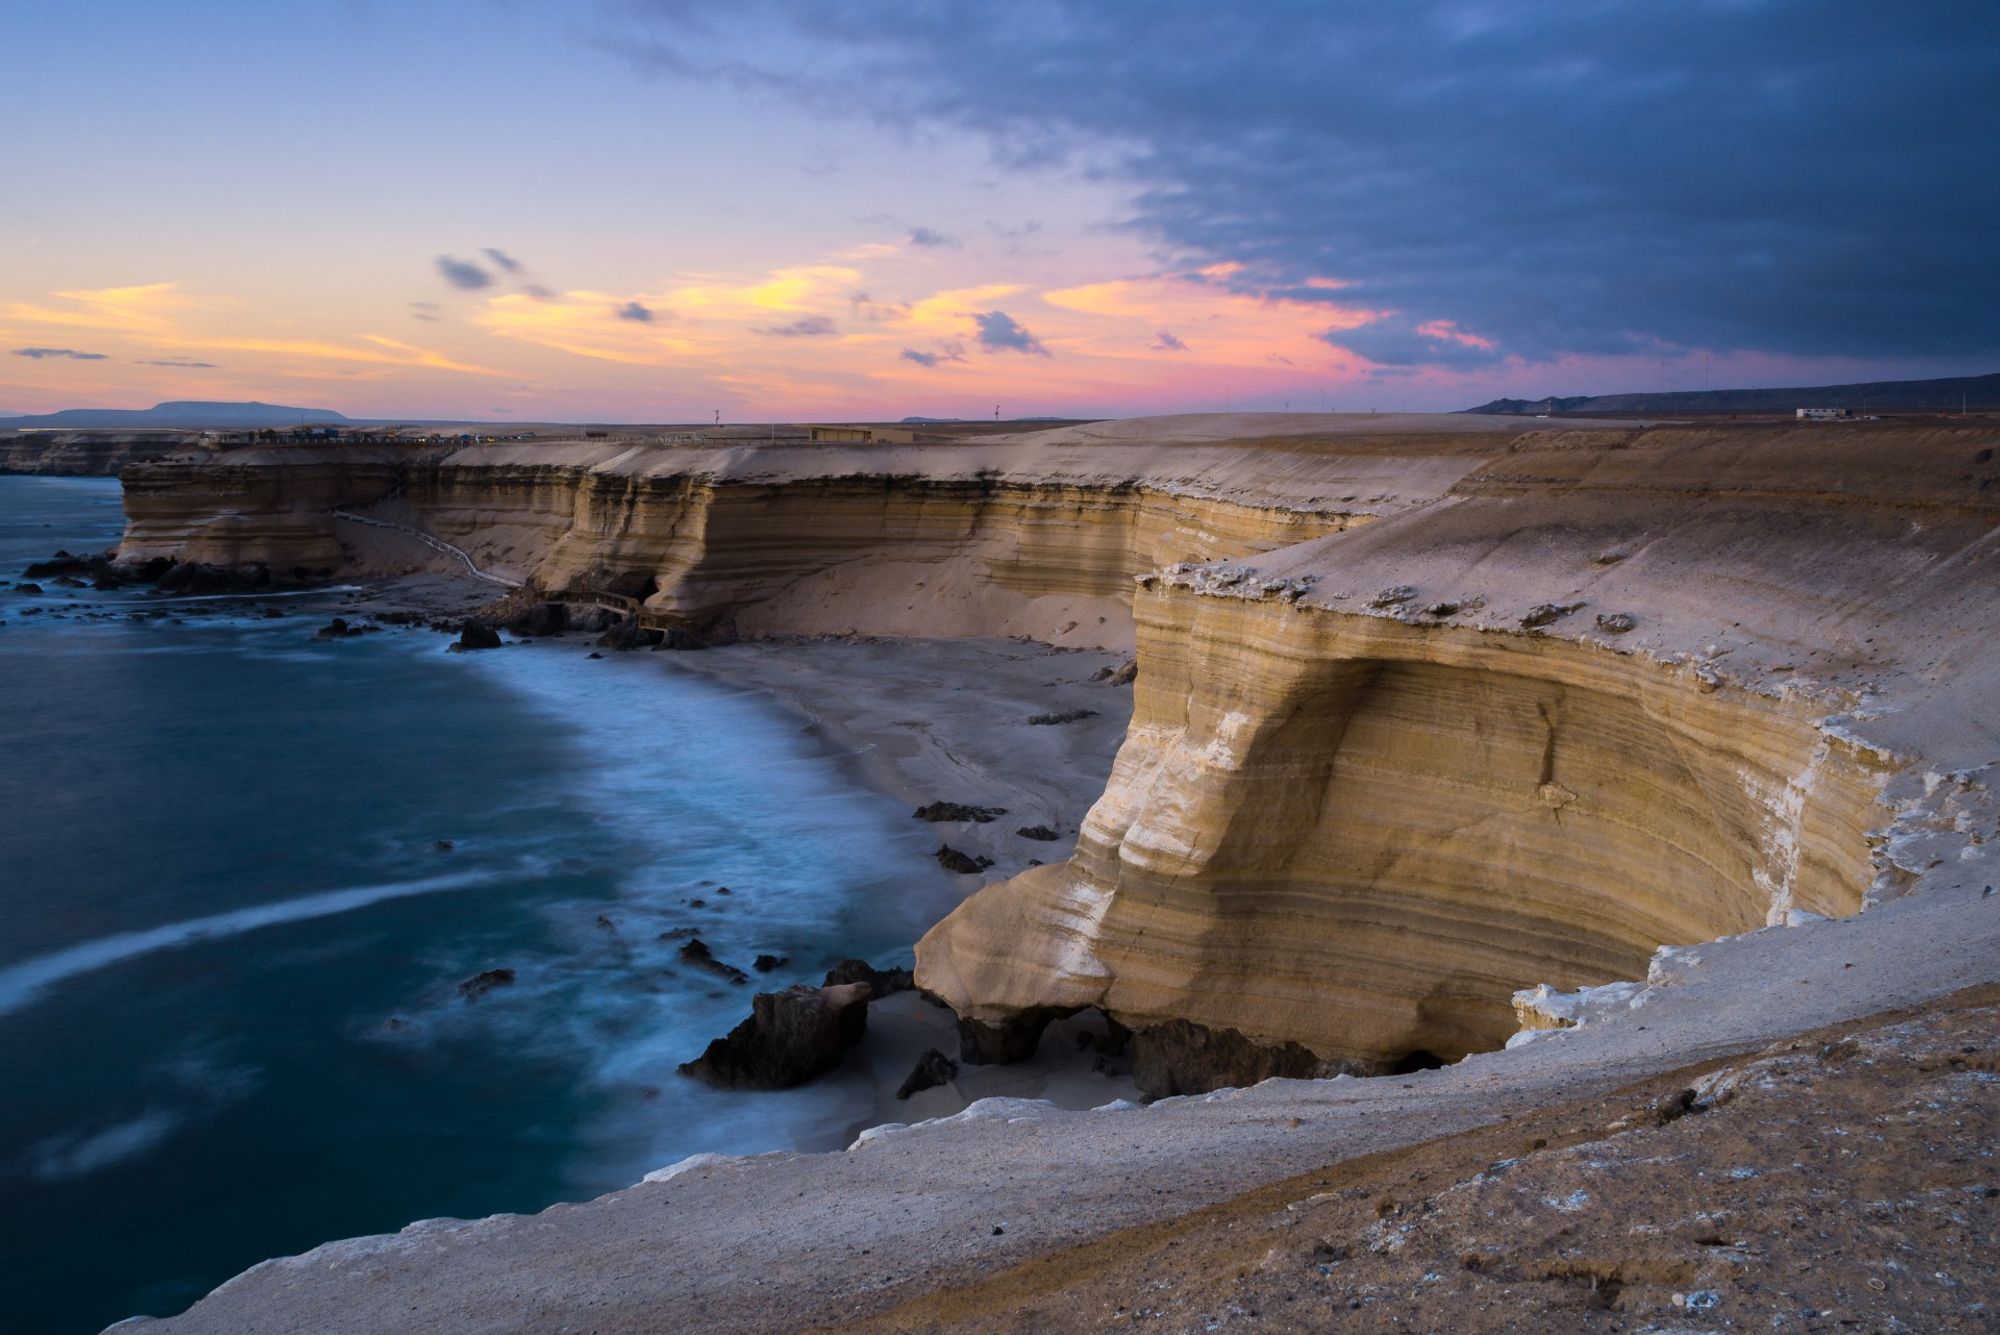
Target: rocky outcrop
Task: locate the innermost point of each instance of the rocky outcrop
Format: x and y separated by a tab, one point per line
790	1037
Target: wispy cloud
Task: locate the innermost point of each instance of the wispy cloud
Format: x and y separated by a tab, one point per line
944	352
40	354
463	274
180	364
810	326
931	240
502	260
1001	332
636	311
425	310
1164	341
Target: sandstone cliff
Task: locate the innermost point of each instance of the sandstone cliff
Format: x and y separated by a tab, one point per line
1429	710
89	453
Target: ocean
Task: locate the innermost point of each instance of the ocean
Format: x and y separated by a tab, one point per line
232	935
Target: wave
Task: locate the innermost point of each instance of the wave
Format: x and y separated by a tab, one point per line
22	984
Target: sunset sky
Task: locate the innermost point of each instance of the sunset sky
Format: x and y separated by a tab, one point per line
655	210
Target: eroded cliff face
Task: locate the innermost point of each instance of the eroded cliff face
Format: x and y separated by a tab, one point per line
1607	694
1364	835
1427	713
90	453
956	541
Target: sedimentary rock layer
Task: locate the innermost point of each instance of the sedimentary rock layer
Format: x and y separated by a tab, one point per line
1377	782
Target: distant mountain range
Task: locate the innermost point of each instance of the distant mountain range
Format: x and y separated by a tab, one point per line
1974	391
184	414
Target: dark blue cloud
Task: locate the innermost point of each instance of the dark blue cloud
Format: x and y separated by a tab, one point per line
924	236
181	364
635	311
1166	342
1001	332
1805	177
502	260
949	350
463	273
1396	342
40	354
810	326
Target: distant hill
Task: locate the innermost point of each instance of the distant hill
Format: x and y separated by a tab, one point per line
187	414
1975	391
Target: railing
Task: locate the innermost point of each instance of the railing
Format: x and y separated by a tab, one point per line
434	543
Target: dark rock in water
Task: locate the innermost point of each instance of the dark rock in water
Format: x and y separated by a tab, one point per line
1041	832
932	1069
1182	1057
481	983
26	587
1127	673
957	811
477	635
339	629
697	903
679	640
766	963
1062	716
1102	674
273	614
442	846
882	982
628	634
1011	1040
595	654
697	953
541	619
790	1037
954	861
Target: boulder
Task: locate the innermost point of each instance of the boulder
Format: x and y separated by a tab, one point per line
697	953
1127	673
961	863
766	963
1041	832
790	1037
881	982
477	635
543	618
1182	1057
1542	614
957	811
481	983
1062	716
627	633
932	1069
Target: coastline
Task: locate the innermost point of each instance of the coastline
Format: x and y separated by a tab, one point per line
917	721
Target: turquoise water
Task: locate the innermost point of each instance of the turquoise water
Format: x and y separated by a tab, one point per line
230	1026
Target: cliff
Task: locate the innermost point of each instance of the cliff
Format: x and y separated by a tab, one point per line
1654	743
1369	791
89	453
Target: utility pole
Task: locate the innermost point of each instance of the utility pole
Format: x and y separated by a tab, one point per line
996	412
718	417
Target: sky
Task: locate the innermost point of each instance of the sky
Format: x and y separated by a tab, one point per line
666	211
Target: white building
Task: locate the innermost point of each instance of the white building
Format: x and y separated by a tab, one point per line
1825	414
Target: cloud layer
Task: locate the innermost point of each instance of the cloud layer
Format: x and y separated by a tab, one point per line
44	354
1498	180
